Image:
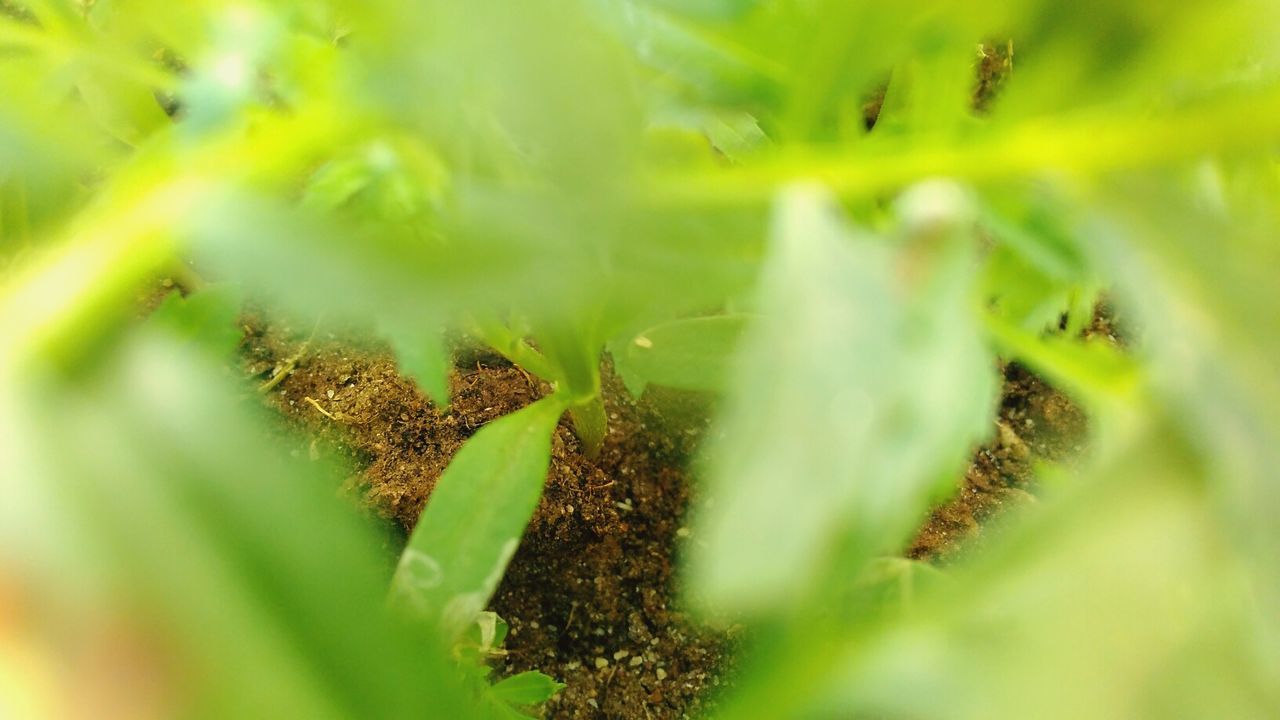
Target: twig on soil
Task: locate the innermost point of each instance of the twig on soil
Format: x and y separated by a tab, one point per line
316	405
290	363
573	608
528	378
282	370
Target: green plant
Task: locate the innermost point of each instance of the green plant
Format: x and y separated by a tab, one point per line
508	697
694	187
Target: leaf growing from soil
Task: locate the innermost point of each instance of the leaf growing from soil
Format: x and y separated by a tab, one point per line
527	688
421	354
688	354
477	512
876	384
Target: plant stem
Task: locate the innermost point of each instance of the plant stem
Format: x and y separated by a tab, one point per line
591	424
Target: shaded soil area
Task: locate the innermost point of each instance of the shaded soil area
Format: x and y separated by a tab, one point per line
589	595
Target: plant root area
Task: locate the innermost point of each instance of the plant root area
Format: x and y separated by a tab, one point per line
591	594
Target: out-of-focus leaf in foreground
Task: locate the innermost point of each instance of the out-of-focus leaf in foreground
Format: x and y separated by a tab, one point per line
861	388
1122	584
145	513
207	317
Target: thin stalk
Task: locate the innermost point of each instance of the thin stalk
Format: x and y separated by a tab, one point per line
590	423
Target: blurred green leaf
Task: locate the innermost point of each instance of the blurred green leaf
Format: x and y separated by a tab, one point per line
690	354
129	112
874	390
1093	371
166	514
421	354
696	56
709	9
207	317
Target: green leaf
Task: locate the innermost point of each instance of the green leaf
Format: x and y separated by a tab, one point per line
473	521
527	688
693	55
736	134
708	9
207	317
630	376
688	354
336	183
573	350
127	111
421	354
1091	371
146	489
857	397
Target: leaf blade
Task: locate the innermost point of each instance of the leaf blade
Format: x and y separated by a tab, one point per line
689	354
526	688
477	512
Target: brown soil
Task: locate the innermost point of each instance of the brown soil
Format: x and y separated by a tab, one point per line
995	64
589	594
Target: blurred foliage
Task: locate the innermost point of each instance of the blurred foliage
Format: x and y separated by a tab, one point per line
697	186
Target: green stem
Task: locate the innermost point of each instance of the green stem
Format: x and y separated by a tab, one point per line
591	424
515	349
